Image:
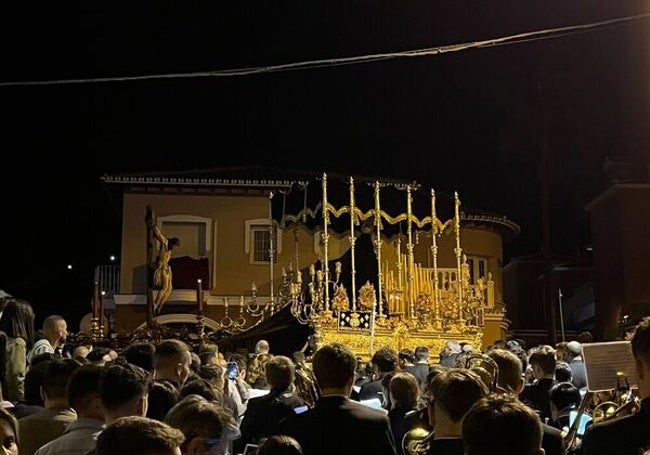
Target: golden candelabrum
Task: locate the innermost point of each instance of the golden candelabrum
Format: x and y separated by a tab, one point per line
414	304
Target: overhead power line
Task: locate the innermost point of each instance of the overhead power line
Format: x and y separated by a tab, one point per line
330	62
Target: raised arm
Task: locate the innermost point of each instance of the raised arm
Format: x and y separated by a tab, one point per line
161	238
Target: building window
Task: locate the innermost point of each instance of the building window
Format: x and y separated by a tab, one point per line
477	268
258	241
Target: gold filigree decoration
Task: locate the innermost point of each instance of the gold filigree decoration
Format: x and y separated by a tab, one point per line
340	301
367	297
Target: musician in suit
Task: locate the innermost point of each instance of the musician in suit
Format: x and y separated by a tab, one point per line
384	361
510	378
265	412
337	424
628	434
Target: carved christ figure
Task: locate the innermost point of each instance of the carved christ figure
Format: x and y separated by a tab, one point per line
163	274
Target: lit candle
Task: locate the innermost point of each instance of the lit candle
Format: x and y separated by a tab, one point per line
284	272
319	276
290	266
299	277
199	297
338	267
312	271
254	287
101	308
241	300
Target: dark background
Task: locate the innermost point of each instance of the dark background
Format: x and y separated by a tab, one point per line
474	121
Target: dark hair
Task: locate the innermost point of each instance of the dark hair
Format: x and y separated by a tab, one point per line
200	418
207	353
56	377
421	353
17	320
163	395
544	357
510	368
563	371
120	384
140	354
137	435
386	359
240	360
33	382
279	444
404	389
200	387
169	350
280	372
334	365
98	353
564	394
42	357
83	385
406	354
456	390
501	425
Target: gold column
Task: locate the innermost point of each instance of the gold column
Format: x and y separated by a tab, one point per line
271	248
353	241
378	247
326	237
434	253
409	248
459	253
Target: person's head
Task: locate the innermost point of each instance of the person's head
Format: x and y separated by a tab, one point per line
403	390
280	372
33	382
298	357
502	425
161	398
406	357
17	320
55	329
123	391
562	351
99	356
172	361
137	435
215	374
82	391
542	361
279	444
334	366
55	381
422	354
562	396
8	432
203	424
510	377
453	393
641	350
201	387
262	347
385	360
173	242
563	371
449	352
140	354
209	354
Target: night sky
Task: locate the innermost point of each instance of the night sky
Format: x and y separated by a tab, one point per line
473	121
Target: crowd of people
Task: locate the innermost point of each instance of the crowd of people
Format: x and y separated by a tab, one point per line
171	398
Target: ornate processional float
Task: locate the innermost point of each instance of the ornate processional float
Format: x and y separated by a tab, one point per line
412	304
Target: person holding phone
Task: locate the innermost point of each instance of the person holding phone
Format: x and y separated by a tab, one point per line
236	387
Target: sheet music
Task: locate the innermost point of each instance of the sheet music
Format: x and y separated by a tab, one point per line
606	361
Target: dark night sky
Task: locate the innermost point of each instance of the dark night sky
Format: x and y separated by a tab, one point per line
474	121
